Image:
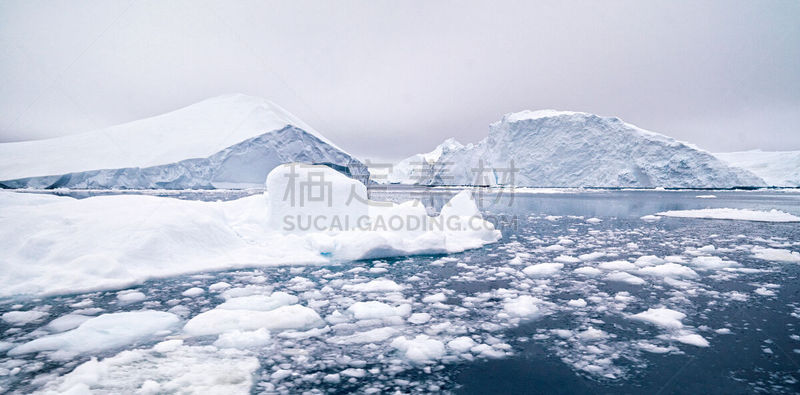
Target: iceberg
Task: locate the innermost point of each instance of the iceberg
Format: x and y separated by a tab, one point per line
55	244
231	141
777	168
550	148
419	167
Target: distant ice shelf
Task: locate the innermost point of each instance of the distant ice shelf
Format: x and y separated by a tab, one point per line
777	168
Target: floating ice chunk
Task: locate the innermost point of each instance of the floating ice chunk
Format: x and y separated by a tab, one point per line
419	318
487	351
776	254
723	331
691	339
577	302
333	378
592	334
733	214
127	297
218	286
562	333
421	349
594	220
168	346
616	265
243	339
461	344
655	349
662	317
542	269
174	369
671	270
566	259
648	260
23	317
378	285
217	321
591	256
588	271
246	291
435	298
104	332
259	302
371	336
737	296
354	372
193	292
516	260
555	247
624	277
280	374
764	291
650	218
66	322
706	196
377	310
525	306
712	263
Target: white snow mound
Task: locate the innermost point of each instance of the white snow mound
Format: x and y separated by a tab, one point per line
52	244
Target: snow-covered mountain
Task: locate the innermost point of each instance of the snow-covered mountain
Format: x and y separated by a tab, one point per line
777	168
226	141
418	167
551	148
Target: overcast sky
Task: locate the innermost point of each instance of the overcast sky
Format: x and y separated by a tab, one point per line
386	79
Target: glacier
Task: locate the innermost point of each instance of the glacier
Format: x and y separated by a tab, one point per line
550	148
230	141
777	168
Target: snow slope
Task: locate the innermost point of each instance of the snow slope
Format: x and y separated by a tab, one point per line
416	167
224	141
51	244
574	149
777	168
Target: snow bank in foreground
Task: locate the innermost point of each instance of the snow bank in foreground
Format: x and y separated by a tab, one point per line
51	244
734	214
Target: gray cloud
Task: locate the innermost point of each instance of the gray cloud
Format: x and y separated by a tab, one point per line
387	79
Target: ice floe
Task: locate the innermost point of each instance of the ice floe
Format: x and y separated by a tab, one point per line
733	214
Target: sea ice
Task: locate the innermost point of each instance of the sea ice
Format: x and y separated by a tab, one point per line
734	214
104	332
421	349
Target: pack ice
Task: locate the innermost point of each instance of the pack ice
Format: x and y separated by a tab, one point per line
551	148
227	141
55	244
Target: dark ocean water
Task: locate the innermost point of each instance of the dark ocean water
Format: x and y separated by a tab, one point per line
750	318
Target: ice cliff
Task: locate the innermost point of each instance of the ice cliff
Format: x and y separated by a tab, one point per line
551	148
